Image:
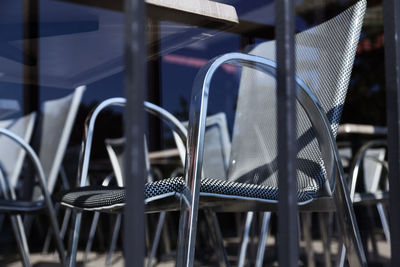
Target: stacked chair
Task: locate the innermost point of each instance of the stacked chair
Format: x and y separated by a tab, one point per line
55	126
371	157
324	59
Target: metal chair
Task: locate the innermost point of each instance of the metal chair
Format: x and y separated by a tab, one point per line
168	118
323	65
115	151
55	128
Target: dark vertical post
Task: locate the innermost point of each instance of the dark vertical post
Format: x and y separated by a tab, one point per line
135	90
30	55
154	89
391	9
287	147
30	80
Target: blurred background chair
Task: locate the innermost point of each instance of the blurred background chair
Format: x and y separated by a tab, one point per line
53	131
116	160
217	150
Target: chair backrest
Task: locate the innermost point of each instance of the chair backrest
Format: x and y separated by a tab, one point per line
115	150
324	59
11	155
58	118
372	164
217	147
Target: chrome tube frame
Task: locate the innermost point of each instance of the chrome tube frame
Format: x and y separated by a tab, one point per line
245	239
195	145
263	239
42	182
156	239
353	177
82	177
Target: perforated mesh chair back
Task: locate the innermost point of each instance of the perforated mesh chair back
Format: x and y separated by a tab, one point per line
324	59
58	118
11	155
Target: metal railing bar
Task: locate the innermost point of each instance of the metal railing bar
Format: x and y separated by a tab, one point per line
287	208
391	9
135	90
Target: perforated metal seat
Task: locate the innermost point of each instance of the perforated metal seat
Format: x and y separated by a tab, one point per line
112	197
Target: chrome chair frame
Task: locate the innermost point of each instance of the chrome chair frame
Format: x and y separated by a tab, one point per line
339	199
15	206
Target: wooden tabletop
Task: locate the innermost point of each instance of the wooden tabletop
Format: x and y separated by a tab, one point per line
201	13
192	12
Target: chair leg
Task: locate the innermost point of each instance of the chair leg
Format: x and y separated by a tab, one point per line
385	225
22	243
114	239
56	230
341	255
166	240
348	224
372	224
64	225
263	239
323	228
216	236
75	239
245	241
306	225
91	236
47	240
156	240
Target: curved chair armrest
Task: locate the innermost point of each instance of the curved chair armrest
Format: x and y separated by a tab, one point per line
197	123
90	121
32	155
355	167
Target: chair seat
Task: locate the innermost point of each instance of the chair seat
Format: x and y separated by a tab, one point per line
19	206
113	198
